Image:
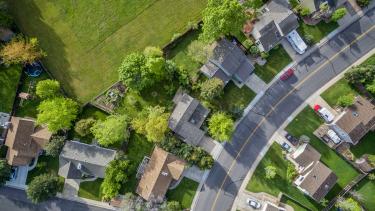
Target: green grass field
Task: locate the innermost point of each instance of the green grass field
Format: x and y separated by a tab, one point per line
318	31
91	189
340	88
9	78
365	146
86	40
183	193
367	189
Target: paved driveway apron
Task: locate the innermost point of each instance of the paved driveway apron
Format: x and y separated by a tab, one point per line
255	129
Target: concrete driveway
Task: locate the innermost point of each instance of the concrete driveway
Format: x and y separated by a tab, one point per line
20	180
263	198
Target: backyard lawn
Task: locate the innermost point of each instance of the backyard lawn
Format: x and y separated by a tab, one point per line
86	40
340	88
259	183
367	189
9	78
365	146
318	31
183	193
304	124
91	189
277	60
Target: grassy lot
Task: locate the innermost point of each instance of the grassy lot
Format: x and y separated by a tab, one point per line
259	183
9	78
340	88
28	108
86	40
91	189
318	31
365	146
304	124
277	60
367	189
293	204
183	193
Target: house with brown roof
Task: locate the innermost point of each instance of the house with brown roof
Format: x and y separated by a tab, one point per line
25	140
356	121
161	170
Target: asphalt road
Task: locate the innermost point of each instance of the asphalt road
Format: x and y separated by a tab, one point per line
15	200
279	102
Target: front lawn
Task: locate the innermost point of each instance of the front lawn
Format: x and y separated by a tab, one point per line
318	31
91	190
9	78
277	60
367	189
304	124
340	88
258	182
183	193
365	146
292	203
86	40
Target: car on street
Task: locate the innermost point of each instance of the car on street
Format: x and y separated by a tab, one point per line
333	136
293	140
324	113
287	74
253	203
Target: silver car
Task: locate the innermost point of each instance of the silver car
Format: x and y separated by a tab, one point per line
253	203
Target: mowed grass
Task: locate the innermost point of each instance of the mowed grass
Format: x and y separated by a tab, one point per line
318	32
277	60
91	189
340	88
183	193
306	123
367	189
86	40
365	146
9	78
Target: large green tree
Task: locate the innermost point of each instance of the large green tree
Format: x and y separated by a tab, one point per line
43	187
57	113
221	126
83	126
4	171
114	129
222	17
47	88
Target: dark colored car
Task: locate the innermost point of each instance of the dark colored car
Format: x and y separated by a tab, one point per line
287	74
293	140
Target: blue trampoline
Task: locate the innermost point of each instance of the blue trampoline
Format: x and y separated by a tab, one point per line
34	69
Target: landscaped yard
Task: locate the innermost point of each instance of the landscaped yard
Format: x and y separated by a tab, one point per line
183	193
91	190
340	88
304	124
86	40
277	60
365	146
367	189
259	183
293	204
318	31
9	78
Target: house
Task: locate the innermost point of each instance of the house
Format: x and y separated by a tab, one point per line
228	62
315	179
356	121
275	22
315	6
162	169
186	119
79	159
25	140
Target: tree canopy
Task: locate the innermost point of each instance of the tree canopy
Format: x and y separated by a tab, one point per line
54	146
338	14
349	204
199	51
114	129
43	187
211	88
83	126
4	171
222	17
47	88
346	100
221	126
270	172
57	113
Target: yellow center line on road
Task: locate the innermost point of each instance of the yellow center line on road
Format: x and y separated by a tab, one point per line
280	101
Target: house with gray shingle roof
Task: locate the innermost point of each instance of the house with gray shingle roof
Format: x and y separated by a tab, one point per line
78	159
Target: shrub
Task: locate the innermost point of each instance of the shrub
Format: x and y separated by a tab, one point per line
47	88
349	204
5	170
294	3
247	43
270	172
174	206
54	146
345	100
371	176
338	14
43	187
113	130
221	126
254	50
83	126
291	172
211	88
303	11
371	159
199	51
371	88
151	51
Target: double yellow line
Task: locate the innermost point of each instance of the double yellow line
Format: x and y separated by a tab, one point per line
280	101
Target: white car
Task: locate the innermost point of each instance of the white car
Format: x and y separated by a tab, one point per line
324	113
297	42
253	203
333	136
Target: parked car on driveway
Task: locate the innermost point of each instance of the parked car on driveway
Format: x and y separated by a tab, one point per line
253	203
324	113
286	147
293	140
287	74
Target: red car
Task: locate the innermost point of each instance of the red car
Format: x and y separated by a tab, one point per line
287	74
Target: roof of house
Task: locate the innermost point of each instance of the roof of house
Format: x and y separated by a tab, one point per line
187	118
358	119
91	159
159	173
318	181
25	140
306	155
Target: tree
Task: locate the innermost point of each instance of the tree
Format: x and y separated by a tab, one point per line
363	3
173	206
364	74
5	171
324	202
54	146
47	88
153	52
303	11
371	88
21	50
291	172
199	51
338	14
114	129
222	17
345	100
57	113
349	204
270	172
221	126
211	88
83	126
116	175
254	4
43	187
152	122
